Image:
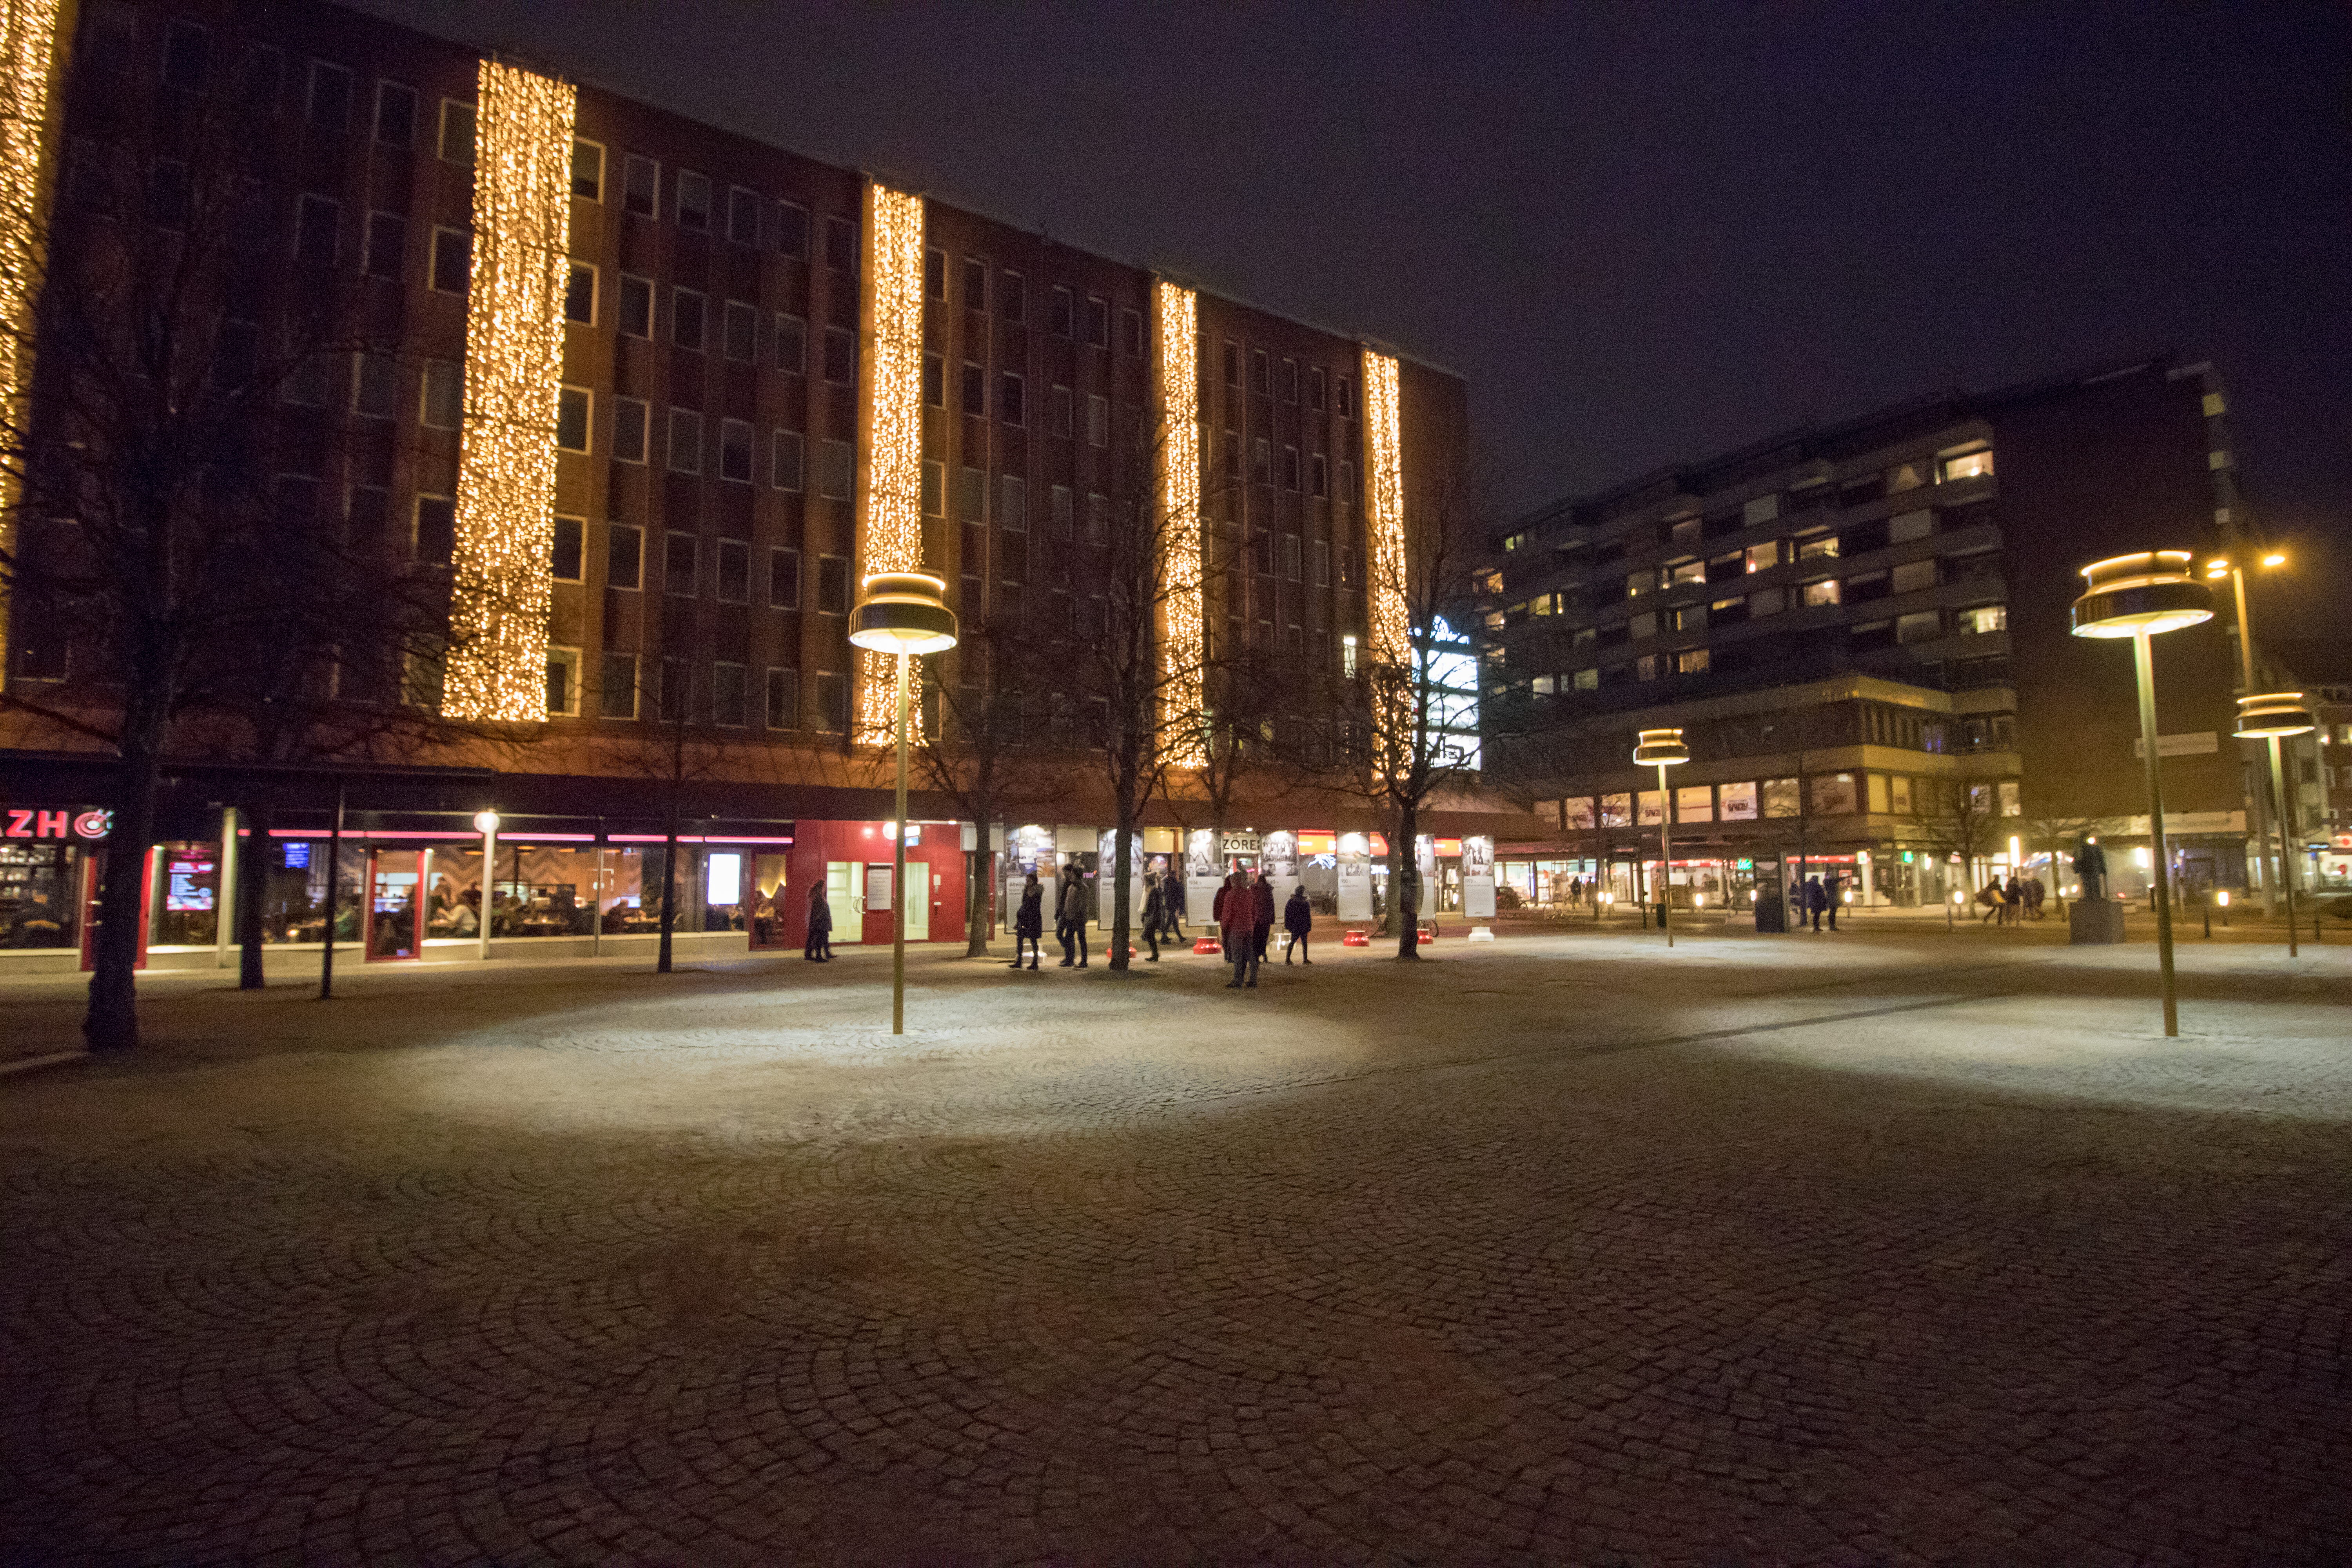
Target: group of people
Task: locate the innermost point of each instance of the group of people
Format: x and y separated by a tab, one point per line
1243	916
2005	903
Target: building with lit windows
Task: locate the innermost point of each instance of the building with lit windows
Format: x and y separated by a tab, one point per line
658	396
1855	624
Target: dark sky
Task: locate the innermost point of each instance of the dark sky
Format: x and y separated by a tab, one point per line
1644	233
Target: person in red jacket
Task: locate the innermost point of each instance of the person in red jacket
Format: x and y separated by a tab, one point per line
1236	926
1261	907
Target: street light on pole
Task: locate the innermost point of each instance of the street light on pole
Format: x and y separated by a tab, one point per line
2271	717
2217	568
1662	748
904	613
2141	596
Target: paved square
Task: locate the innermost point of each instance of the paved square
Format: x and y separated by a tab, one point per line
1888	1248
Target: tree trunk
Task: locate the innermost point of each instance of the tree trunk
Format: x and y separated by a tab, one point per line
979	874
1405	866
1123	845
111	1023
669	896
252	889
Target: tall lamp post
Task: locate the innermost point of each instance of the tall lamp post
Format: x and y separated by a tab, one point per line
906	614
2229	566
1662	748
2272	717
2140	596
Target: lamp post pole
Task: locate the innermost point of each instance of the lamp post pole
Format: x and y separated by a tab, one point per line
2261	797
2144	666
898	874
1665	857
2286	847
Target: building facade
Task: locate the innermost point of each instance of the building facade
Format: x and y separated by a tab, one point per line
1863	631
649	399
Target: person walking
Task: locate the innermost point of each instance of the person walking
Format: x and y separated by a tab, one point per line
2034	893
1261	922
1830	898
1298	919
1989	897
819	946
2012	902
1171	900
1814	902
1155	910
1071	913
1236	929
1029	921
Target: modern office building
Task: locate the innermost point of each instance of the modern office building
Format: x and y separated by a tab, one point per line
650	398
1863	632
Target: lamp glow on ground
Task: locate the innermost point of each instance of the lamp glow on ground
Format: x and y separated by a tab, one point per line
2271	717
906	614
2142	596
1662	748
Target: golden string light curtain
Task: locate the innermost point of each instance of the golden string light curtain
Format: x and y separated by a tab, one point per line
1176	315
514	374
890	525
28	38
1391	622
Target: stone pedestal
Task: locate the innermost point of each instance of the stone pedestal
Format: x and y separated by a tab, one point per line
2094	921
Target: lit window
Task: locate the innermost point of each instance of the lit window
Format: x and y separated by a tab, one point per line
1824	592
1820	547
1691	661
1984	618
1347	656
1764	557
1969	465
1588	679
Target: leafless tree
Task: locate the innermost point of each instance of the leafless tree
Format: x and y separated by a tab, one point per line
167	587
1957	819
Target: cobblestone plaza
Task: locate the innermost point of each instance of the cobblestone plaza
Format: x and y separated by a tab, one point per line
1888	1248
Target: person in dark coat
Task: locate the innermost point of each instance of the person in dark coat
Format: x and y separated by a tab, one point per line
1172	899
1029	921
1155	910
1261	905
1072	910
819	947
1235	927
1298	919
1830	898
1816	900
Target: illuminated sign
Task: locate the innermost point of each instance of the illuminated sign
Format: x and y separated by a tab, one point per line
66	823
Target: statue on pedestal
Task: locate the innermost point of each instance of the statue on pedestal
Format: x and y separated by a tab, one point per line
2091	867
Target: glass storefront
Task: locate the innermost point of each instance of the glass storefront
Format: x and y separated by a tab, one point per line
39	894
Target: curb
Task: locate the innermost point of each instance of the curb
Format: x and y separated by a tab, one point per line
34	1064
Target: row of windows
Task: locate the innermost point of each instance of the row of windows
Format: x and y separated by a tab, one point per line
1830	794
1919	626
630	686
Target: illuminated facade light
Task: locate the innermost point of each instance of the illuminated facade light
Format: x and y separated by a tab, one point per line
890	519
1391	625
514	374
28	35
1176	322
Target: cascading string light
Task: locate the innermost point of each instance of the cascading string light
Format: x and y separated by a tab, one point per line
28	37
1391	626
891	526
1177	322
514	376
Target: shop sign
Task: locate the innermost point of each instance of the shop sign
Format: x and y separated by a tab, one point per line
1242	844
61	823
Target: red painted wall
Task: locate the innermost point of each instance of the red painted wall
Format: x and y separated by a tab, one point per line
816	843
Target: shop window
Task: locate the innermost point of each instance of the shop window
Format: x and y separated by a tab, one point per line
187	910
39	897
567	550
587	170
564	682
623	554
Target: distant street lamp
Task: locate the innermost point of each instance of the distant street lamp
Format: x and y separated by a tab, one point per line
2141	596
2230	566
1662	748
2271	717
905	613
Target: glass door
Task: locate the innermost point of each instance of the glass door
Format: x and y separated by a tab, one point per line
395	916
919	901
767	902
845	892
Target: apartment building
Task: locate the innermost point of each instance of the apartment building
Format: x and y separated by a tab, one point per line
1863	631
748	379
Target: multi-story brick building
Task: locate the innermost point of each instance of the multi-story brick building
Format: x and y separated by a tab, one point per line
762	377
1863	630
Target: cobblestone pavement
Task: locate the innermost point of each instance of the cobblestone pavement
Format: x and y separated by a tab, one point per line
1870	1249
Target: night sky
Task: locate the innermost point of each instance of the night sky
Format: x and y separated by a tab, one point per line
1644	233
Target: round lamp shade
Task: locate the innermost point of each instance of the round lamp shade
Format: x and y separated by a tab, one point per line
2151	592
1660	748
903	612
2274	714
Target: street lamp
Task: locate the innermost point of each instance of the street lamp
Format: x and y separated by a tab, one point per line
1662	748
2217	568
2271	717
905	613
2140	596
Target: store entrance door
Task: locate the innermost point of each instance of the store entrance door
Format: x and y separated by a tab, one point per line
919	901
846	893
395	915
92	875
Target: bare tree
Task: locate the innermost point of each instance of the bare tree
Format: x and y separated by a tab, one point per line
1403	729
169	587
1237	745
1957	819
